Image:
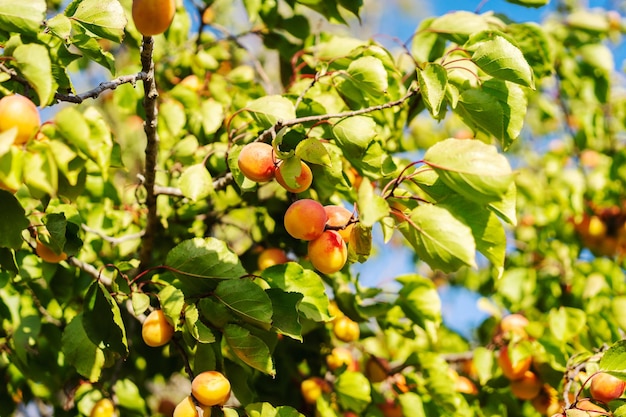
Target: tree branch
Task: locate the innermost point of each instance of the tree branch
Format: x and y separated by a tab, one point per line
102	87
150	125
110	239
90	269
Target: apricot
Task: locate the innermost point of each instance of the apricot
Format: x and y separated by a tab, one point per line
256	162
47	254
346	329
312	388
514	324
271	256
391	408
19	112
547	402
339	216
513	370
305	219
187	408
605	387
527	387
593	410
102	408
328	253
304	179
156	329
211	388
339	357
153	17
465	385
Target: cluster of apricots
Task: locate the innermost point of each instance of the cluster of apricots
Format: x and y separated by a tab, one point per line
208	388
326	228
603	231
257	162
603	389
153	17
525	383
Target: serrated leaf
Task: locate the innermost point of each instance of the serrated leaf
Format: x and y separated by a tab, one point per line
12	221
267	110
372	207
285	318
60	25
200	264
102	320
196	327
419	299
80	351
217	314
249	348
291	277
196	182
427	45
360	246
471	168
501	59
439	238
459	26
105	18
353	391
506	207
247	300
312	150
354	134
368	75
433	81
23	16
34	64
172	302
614	360
92	49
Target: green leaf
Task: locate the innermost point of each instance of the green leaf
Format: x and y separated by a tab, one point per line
412	404
197	328
353	391
61	26
267	410
196	182
459	26
471	168
199	264
56	224
172	302
312	150
433	80
535	45
372	207
217	314
140	302
368	75
439	238
291	277
501	59
12	221
102	320
285	318
249	348
566	323
360	246
419	299
105	19
212	116
487	230
505	208
614	360
354	134
267	110
33	63
427	46
23	16
129	397
80	351
40	172
91	48
247	300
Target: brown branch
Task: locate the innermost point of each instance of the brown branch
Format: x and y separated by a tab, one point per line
150	106
90	269
102	87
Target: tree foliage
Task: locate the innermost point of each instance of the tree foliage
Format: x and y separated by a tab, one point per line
491	148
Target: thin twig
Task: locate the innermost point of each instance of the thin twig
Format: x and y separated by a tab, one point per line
102	87
150	106
110	239
90	269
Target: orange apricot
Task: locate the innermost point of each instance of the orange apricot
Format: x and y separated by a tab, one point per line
256	162
312	388
47	254
156	329
305	219
187	408
304	179
211	388
346	329
513	370
153	17
103	408
271	256
527	387
606	387
19	112
328	253
339	357
514	324
339	217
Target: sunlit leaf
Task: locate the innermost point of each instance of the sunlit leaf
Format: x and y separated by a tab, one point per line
80	351
106	19
100	307
22	16
247	300
249	348
267	110
353	391
196	182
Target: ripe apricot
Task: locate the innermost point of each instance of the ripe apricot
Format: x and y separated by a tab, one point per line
187	408
47	254
391	408
305	219
513	370
593	410
19	112
271	256
304	179
514	324
102	408
465	385
339	357
339	216
547	402
211	388
328	253
256	161
605	387
527	387
346	329
153	17
312	388
156	330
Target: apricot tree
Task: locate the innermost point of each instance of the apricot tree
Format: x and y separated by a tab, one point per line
181	234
